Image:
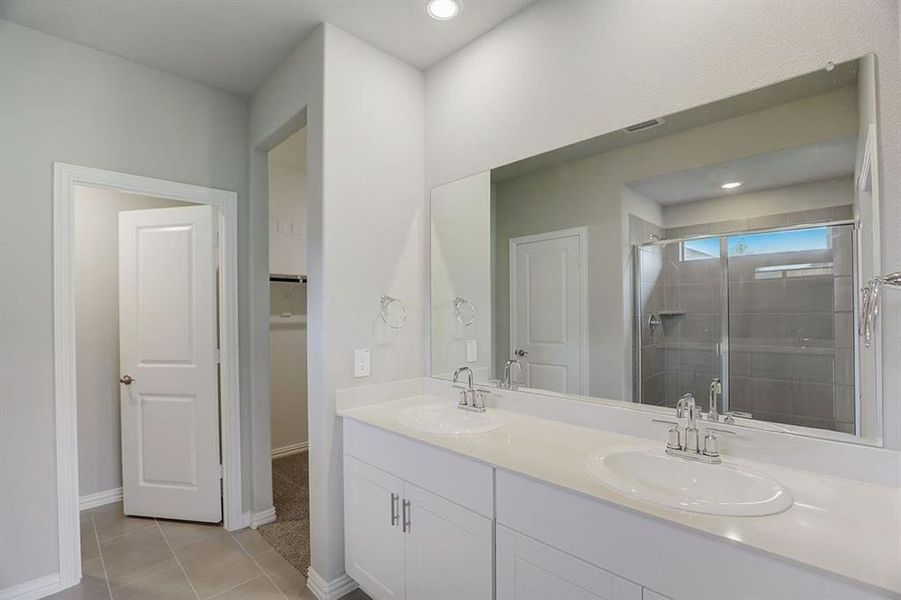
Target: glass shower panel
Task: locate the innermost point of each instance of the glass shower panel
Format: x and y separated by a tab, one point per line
791	296
681	319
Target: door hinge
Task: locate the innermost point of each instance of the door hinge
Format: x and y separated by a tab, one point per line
220	472
218	354
216	239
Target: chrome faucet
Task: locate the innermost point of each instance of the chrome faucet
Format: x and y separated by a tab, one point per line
470	397
686	407
686	443
716	390
508	382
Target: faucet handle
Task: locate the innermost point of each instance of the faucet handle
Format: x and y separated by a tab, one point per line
711	448
674	438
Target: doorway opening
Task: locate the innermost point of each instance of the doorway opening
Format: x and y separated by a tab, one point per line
145	328
289	533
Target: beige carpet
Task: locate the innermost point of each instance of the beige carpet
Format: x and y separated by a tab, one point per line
289	534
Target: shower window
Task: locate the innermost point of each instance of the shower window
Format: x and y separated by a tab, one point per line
770	313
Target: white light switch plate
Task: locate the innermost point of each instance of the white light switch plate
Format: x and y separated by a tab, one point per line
361	362
472	351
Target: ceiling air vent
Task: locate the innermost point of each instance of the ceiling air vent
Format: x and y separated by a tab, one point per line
644	125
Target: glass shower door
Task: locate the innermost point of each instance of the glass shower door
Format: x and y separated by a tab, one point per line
682	322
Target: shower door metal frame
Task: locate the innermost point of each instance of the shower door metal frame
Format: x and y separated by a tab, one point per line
724	349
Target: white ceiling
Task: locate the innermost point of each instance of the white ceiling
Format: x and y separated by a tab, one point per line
812	162
234	44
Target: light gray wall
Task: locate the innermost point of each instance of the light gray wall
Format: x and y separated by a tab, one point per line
365	239
290	98
96	262
65	102
564	71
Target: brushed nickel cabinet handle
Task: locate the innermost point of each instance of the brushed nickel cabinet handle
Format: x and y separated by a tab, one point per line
394	516
406	518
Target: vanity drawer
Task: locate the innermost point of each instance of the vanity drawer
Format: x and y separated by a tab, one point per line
462	480
679	563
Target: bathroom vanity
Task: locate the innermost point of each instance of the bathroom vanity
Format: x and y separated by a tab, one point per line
515	513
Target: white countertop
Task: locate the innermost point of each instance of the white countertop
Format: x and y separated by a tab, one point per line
844	527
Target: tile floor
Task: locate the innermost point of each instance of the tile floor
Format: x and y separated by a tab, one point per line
128	558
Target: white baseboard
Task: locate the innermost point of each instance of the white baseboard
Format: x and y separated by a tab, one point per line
329	590
262	517
290	449
34	589
100	499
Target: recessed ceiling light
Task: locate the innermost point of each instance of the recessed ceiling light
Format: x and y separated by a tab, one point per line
731	185
442	10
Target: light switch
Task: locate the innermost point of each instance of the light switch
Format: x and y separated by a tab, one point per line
472	351
361	362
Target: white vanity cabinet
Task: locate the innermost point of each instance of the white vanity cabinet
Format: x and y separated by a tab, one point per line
405	541
425	523
530	570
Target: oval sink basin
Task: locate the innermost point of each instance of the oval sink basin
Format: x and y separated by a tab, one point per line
654	476
447	419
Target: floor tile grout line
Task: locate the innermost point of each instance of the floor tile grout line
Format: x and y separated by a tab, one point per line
262	570
109	588
177	561
118	535
236	586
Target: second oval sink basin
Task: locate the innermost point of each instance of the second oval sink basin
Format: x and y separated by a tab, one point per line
652	475
447	419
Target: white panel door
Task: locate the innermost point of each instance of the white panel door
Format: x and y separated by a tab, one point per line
448	549
546	309
373	535
167	331
530	570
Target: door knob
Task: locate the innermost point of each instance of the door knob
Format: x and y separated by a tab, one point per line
520	352
126	379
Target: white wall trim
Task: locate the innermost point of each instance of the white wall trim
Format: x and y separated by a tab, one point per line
263	517
582	233
290	449
329	590
34	589
65	178
100	499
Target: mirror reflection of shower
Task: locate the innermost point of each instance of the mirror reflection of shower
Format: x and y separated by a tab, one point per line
769	312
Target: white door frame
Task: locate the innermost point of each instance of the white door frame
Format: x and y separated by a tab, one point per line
582	233
65	178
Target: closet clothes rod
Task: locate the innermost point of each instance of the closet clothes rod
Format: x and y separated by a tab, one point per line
280	278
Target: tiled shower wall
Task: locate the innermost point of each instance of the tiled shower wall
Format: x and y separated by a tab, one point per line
792	354
791	337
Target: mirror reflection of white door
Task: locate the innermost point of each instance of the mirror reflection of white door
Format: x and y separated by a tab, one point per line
548	326
168	345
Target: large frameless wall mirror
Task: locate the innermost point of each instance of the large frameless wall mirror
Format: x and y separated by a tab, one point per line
717	251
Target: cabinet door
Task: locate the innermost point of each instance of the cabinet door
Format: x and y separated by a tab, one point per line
530	570
448	549
373	540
